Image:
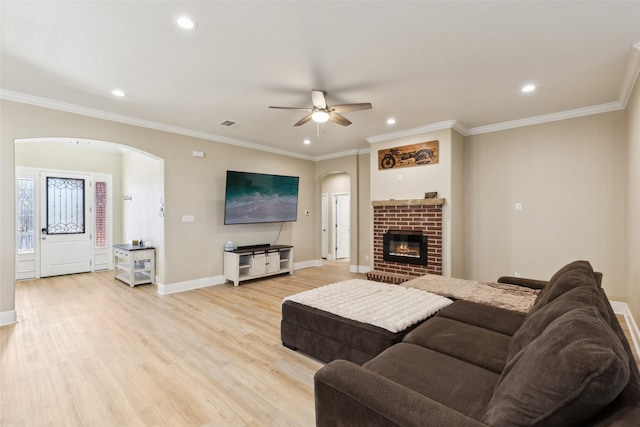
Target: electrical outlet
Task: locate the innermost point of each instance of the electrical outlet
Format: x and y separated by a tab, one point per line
518	207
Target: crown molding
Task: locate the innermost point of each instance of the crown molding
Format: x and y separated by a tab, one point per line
546	118
104	115
448	124
342	154
630	76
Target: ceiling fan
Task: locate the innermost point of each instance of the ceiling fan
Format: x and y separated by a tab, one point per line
321	112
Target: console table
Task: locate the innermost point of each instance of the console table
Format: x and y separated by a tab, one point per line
134	265
253	262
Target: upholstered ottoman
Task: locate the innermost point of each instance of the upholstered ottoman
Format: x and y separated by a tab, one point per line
328	336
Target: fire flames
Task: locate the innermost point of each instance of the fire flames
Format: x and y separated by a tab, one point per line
405	250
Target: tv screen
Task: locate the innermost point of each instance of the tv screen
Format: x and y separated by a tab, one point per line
257	197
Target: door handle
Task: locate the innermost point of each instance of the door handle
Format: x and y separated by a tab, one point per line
44	234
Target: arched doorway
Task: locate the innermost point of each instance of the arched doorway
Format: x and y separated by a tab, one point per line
101	174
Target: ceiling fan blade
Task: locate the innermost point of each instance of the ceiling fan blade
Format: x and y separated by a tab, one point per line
318	99
342	108
303	120
337	118
292	108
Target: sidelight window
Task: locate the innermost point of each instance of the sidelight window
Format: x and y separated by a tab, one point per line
26	215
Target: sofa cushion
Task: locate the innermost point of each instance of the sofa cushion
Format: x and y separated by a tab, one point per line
461	386
551	291
486	316
473	344
564	376
537	320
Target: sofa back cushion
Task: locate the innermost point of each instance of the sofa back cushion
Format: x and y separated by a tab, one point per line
537	321
572	370
568	277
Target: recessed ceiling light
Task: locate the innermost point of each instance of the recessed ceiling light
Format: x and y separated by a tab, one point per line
391	121
307	141
118	92
186	22
528	88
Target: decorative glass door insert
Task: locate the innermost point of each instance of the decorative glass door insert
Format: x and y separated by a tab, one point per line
65	206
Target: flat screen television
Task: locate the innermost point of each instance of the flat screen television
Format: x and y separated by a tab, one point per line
256	197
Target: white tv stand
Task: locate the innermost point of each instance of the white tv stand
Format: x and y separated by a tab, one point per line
254	262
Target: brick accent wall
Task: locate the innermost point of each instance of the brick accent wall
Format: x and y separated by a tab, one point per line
414	215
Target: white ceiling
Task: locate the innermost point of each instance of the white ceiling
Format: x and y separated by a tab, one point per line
422	62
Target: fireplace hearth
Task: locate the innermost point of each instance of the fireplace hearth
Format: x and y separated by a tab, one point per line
405	246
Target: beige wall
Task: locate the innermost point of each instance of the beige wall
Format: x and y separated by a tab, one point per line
443	177
570	177
456	205
633	200
365	215
7	221
193	186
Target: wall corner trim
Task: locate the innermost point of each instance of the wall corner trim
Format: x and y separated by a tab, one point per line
8	317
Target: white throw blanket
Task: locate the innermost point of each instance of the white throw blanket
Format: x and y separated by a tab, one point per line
391	307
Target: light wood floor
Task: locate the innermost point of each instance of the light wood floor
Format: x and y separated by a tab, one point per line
89	350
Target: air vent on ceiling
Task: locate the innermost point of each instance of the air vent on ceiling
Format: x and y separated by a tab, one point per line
229	123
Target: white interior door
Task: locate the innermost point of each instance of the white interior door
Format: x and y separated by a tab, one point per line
65	233
342	215
325	226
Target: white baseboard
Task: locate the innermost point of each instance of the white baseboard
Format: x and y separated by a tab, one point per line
189	285
623	309
359	269
307	264
8	317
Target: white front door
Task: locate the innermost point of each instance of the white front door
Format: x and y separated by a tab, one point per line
342	214
65	223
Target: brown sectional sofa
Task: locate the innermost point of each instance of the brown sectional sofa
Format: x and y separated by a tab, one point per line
566	363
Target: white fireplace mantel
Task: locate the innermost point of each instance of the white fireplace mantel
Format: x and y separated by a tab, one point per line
408	202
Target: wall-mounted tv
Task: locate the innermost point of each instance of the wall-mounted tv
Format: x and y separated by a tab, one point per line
257	197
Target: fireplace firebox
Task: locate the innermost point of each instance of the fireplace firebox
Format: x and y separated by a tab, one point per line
405	246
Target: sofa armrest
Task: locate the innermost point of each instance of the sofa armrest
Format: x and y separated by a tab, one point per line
348	394
521	281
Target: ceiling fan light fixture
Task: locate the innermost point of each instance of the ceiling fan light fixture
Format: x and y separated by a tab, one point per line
320	116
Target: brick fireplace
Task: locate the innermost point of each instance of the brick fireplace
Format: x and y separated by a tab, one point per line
421	217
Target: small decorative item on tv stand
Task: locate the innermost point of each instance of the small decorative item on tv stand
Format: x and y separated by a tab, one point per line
228	246
431	195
